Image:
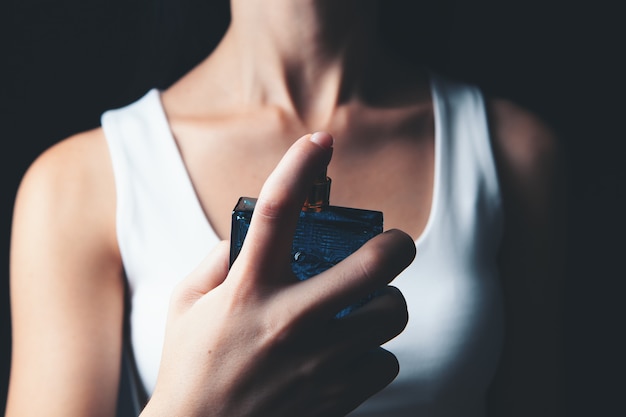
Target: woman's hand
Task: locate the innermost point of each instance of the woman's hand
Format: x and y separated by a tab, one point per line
253	341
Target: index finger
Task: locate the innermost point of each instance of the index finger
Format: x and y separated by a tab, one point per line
267	247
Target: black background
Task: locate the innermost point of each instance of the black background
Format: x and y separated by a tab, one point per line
63	63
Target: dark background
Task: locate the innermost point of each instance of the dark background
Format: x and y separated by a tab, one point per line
63	63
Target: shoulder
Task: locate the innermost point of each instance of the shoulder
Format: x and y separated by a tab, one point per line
72	168
529	159
528	155
520	136
71	185
531	170
66	280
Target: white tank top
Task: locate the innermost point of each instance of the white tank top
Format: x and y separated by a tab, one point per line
450	348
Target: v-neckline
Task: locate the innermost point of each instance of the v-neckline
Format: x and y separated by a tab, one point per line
193	198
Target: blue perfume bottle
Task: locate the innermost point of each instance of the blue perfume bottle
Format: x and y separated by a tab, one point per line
324	236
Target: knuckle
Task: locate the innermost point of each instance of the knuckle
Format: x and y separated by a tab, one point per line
286	327
309	370
178	297
279	328
370	261
275	207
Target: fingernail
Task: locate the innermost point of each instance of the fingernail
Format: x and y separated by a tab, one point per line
322	139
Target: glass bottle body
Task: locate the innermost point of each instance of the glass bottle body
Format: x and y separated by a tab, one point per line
322	239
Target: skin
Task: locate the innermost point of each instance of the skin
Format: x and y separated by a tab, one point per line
251	351
67	285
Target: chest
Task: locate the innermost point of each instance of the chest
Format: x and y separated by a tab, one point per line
451	288
389	173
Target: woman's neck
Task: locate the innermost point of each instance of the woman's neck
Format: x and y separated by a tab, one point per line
305	56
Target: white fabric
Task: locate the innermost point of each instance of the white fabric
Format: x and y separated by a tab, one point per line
449	350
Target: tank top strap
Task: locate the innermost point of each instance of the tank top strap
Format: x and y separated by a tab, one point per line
152	183
162	231
468	191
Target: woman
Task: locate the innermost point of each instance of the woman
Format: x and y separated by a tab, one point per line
474	183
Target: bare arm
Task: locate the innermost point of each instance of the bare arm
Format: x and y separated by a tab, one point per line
251	359
66	285
531	261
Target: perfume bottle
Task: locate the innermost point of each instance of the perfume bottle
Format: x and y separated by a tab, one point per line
325	234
